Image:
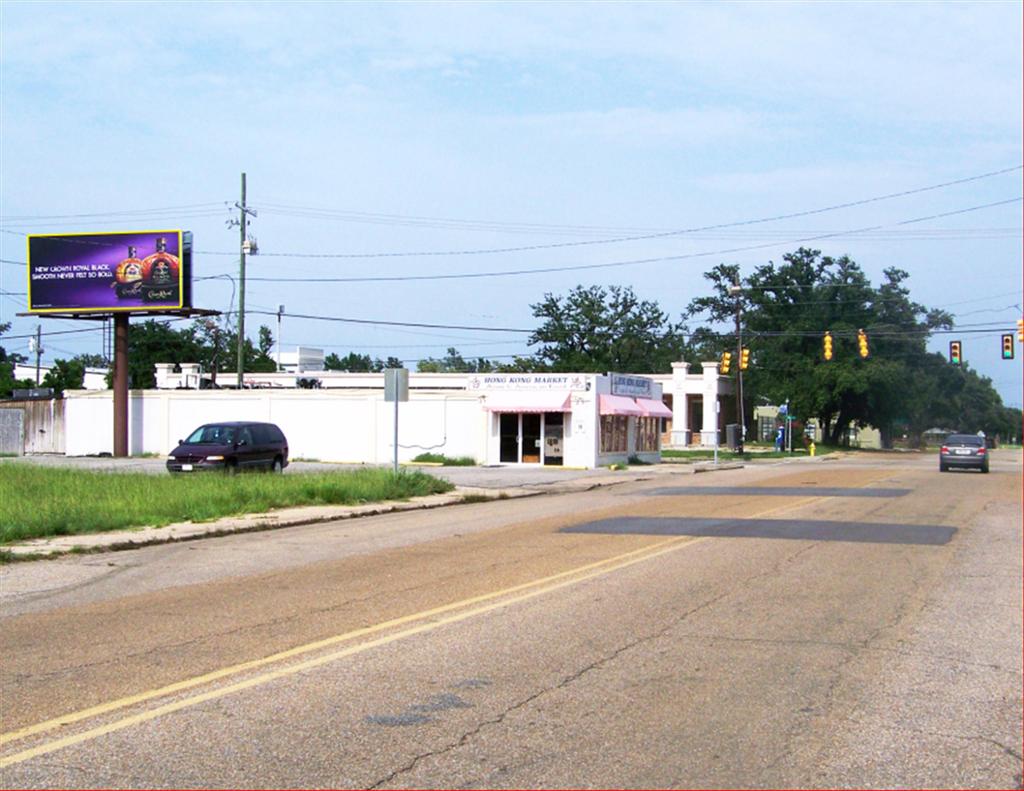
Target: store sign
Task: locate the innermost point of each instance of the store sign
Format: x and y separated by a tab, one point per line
103	272
632	386
527	382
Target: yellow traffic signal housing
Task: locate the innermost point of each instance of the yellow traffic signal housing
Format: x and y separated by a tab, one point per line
827	347
954	353
862	343
1007	347
726	361
744	359
1020	330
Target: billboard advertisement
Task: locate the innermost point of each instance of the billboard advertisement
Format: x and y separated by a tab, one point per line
105	272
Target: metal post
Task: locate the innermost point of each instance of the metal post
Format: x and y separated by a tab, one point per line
718	409
396	438
737	291
39	349
121	385
241	291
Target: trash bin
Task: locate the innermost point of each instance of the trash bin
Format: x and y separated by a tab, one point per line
733	438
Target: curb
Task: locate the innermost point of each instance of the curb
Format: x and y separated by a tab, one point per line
134	538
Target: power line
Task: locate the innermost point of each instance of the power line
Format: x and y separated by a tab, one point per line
616	264
642	237
392	323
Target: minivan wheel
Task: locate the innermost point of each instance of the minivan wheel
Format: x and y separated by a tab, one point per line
277	467
232	467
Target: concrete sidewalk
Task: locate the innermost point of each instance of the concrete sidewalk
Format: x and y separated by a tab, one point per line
512	483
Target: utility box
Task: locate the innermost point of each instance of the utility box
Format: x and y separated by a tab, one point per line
733	437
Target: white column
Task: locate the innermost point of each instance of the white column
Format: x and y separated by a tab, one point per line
680	405
163	372
709	429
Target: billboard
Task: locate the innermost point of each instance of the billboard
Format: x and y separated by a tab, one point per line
105	272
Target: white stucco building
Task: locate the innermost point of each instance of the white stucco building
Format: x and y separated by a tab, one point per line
552	419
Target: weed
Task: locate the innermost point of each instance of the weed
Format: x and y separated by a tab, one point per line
45	501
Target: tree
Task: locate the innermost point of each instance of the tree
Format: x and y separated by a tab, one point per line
65	375
350	362
454	362
596	329
7	362
785	311
359	363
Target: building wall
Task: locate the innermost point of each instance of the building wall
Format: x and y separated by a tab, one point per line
330	426
95	378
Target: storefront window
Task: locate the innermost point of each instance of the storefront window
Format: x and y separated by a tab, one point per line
647	434
614	436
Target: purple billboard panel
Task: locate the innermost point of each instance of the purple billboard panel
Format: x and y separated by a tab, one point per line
104	272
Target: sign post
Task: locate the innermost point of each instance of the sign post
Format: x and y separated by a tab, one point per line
396	388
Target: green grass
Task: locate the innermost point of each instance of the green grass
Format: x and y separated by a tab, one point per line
447	461
729	455
41	501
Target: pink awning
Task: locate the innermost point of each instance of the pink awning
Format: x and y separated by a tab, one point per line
652	408
617	405
528	401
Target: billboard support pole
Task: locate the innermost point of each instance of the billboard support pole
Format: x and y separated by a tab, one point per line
121	385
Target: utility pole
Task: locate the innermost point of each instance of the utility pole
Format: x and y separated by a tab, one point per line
280	311
737	291
241	288
38	349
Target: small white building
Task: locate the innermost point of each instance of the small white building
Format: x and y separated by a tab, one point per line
95	378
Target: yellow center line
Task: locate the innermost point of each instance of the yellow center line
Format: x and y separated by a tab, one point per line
507	596
290	653
619	562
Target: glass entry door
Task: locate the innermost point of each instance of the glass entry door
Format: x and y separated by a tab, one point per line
531	438
509	433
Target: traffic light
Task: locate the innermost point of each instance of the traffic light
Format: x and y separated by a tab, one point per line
1020	330
827	347
744	359
1007	347
723	366
862	343
954	352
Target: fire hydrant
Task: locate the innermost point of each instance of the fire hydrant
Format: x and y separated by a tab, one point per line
812	448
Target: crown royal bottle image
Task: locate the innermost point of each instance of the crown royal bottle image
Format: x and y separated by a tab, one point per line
128	276
160	275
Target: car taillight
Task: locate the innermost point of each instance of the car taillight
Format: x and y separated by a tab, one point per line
944	449
981	451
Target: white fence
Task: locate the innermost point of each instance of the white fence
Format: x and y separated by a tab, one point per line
319	424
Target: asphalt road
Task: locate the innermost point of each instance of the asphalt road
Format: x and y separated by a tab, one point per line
840	624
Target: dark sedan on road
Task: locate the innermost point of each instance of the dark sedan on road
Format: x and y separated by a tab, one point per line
963	450
232	447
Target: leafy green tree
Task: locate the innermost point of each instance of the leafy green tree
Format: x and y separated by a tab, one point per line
786	309
359	363
350	362
453	362
595	329
65	375
7	362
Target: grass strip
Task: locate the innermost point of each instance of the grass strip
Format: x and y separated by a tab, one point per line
447	461
38	501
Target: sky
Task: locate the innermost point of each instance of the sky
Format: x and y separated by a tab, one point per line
427	140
